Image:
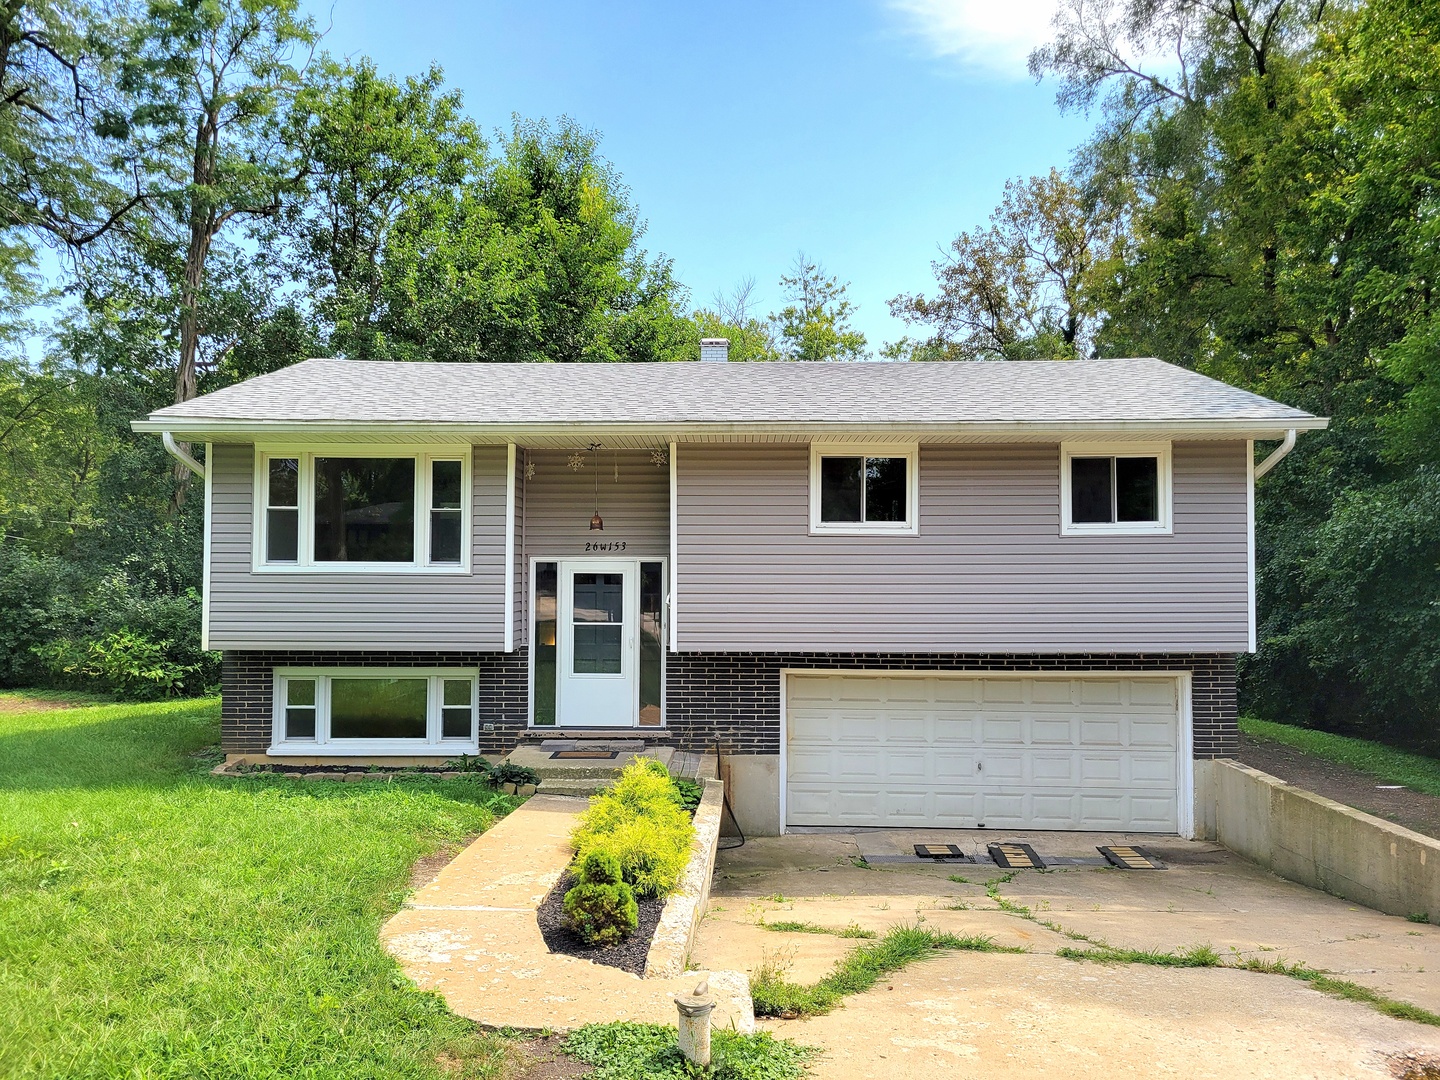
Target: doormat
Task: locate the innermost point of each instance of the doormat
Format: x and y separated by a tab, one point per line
941	853
1016	857
586	755
1131	858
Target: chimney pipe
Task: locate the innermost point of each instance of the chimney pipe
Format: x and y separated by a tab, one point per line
715	350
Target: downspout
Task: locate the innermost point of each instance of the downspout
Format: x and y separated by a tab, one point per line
194	466
1275	455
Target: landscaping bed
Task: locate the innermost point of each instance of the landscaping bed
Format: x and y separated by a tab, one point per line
631	848
629	955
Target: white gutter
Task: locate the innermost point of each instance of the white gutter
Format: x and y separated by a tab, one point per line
1276	454
189	462
1024	430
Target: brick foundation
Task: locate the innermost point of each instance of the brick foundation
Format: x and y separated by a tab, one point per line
732	698
248	695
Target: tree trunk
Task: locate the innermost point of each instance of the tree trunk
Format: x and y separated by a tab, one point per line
202	229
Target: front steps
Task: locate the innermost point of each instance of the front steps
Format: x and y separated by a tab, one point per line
587	776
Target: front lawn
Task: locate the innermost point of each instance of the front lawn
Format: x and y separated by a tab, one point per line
1385	763
157	922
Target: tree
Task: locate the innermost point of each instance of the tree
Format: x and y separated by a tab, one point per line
64	179
1020	289
536	260
375	147
733	316
209	80
815	323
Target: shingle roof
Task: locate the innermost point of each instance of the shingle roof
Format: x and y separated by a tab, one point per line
349	391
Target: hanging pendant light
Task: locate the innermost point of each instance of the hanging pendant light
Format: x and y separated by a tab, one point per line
597	523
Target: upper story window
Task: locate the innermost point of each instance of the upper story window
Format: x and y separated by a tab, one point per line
863	489
385	511
1117	489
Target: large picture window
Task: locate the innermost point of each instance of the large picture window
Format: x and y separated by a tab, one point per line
392	511
1114	490
366	710
863	489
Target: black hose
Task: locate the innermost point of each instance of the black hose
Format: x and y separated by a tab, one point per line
721	845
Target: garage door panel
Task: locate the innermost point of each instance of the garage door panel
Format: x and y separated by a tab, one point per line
959	751
1002	730
1053	731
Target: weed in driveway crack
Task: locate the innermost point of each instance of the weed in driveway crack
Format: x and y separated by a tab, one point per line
793	927
775	995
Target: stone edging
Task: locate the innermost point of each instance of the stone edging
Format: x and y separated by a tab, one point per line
686	906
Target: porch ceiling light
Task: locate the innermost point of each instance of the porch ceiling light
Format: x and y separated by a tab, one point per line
597	523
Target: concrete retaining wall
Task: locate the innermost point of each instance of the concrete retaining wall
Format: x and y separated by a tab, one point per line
1323	844
685	907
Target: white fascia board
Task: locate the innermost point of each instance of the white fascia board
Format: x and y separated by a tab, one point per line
987	431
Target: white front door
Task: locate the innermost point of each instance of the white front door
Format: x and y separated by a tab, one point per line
598	654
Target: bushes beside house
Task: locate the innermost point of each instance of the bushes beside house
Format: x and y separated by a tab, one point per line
635	839
126	630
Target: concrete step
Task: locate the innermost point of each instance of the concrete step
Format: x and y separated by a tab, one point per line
603	770
580	787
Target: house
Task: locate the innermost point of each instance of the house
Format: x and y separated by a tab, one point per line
1007	595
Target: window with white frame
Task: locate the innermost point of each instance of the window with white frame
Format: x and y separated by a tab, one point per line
1115	489
340	511
364	710
864	489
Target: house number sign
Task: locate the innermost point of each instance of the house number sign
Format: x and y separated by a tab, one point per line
604	545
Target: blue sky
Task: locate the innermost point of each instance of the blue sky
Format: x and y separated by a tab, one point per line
865	132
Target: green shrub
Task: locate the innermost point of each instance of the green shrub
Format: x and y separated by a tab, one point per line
602	914
599	868
506	773
651	855
688	793
638	822
122	663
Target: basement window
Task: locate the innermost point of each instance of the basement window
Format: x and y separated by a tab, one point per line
374	710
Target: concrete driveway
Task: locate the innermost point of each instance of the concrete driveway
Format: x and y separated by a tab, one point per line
1038	1015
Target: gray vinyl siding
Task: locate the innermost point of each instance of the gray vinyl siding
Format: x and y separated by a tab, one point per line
989	571
556	501
353	611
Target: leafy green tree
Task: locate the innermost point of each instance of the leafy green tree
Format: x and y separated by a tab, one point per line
65	180
374	147
209	81
1019	290
536	260
815	322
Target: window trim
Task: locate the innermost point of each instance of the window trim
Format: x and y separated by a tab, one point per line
910	451
432	745
1160	451
421	456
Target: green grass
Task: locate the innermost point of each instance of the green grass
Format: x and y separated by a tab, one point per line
649	1052
1326	983
774	995
160	923
1203	956
792	927
1385	763
1197	956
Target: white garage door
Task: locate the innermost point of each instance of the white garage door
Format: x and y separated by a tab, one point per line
961	751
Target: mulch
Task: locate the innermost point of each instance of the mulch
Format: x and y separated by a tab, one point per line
1412	809
629	955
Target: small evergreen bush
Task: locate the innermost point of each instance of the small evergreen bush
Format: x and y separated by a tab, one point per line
638	823
599	868
602	914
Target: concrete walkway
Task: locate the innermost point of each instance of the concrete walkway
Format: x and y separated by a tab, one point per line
471	936
1039	1015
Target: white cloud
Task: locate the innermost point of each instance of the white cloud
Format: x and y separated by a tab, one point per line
991	36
